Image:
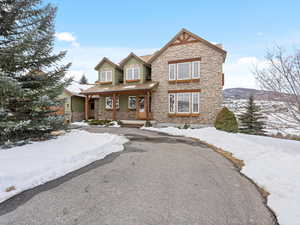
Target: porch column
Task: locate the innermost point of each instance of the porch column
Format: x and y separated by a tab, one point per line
114	107
147	104
86	107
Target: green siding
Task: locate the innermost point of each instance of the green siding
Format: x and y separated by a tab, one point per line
143	69
115	73
123	102
77	104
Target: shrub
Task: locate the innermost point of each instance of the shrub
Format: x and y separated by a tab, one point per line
186	126
148	124
100	122
226	121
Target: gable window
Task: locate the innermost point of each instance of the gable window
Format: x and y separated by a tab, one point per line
172	71
131	102
133	73
184	69
105	76
184	102
196	69
109	102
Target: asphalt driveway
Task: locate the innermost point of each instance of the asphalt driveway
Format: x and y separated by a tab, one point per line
158	179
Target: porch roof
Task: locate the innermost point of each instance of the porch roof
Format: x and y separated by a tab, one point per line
121	88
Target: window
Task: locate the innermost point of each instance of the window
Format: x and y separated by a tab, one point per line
133	73
105	76
195	102
183	102
109	102
172	102
131	102
172	71
196	69
184	70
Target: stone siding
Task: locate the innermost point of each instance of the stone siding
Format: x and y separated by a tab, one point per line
77	116
210	82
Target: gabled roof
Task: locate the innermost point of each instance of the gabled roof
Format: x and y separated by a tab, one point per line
109	62
146	57
194	38
132	55
98	89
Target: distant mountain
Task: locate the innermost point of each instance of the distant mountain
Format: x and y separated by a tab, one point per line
245	93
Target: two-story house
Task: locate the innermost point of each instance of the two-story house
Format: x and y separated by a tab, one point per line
180	83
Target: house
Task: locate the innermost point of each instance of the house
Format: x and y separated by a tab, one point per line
180	83
73	103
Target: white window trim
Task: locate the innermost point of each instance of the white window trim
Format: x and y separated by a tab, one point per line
117	102
189	77
187	93
193	70
175	102
191	103
198	95
129	107
175	75
105	75
133	74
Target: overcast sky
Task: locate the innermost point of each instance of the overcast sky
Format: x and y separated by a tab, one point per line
92	29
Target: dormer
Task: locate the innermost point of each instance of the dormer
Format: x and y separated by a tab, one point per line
135	69
109	73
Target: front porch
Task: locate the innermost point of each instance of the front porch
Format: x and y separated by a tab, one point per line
122	102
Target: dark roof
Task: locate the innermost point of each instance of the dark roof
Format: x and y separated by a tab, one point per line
132	55
109	62
99	89
216	47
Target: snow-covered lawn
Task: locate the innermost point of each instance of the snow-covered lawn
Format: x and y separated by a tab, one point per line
30	165
272	163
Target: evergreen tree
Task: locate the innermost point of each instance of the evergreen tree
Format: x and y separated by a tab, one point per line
83	80
251	121
30	75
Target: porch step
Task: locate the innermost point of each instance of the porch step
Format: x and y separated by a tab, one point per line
133	123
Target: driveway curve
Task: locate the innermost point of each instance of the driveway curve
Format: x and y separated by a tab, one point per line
157	179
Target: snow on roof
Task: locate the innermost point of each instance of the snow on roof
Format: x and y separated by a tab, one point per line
131	86
76	88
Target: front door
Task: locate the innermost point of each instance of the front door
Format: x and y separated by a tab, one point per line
141	114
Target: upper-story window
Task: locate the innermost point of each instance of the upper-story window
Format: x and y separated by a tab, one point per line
133	73
105	76
184	70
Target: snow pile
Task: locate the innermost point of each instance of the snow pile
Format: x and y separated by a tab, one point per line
114	124
80	123
75	88
272	163
34	164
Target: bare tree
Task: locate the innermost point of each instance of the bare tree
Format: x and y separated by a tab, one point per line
282	75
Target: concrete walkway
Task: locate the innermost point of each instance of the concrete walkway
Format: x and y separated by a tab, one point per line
158	179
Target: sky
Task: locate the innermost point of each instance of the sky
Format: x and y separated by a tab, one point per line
92	29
